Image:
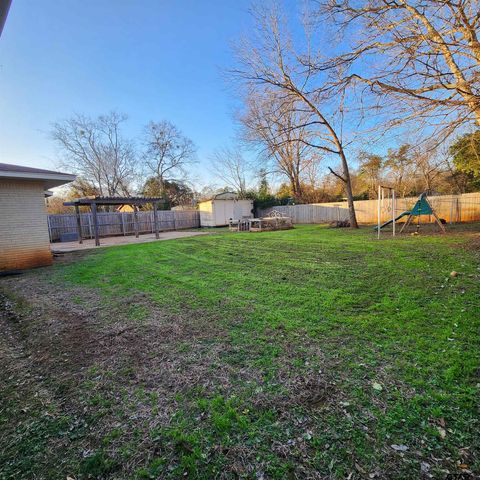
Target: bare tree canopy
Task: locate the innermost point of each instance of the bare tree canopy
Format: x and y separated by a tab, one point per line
371	166
167	152
230	167
423	55
400	165
95	149
271	62
286	135
176	193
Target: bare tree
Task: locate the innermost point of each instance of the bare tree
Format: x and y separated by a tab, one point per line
425	56
272	63
401	169
371	167
284	135
414	169
167	152
311	171
230	167
431	166
96	150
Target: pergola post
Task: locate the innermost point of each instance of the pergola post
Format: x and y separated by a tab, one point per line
155	219
135	220
79	224
93	203
93	207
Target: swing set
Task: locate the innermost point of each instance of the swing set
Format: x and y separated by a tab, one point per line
387	202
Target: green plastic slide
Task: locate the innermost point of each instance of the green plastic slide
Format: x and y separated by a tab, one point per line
407	212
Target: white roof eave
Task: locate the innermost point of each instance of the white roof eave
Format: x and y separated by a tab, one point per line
50	179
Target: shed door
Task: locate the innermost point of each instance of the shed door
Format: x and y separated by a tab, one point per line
223	212
237	210
243	208
229	211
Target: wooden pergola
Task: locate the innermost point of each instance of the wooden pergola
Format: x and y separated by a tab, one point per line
94	202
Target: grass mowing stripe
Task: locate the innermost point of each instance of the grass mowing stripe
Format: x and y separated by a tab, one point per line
304	323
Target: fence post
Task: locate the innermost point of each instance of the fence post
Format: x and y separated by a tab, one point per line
93	206
89	216
135	220
49	228
155	219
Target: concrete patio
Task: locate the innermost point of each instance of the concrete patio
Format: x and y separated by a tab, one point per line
65	247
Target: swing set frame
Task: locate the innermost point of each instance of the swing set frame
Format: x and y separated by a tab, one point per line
390	191
422	207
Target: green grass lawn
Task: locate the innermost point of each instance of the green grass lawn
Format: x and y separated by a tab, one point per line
308	353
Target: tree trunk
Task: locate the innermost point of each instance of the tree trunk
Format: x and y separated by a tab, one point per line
297	190
348	190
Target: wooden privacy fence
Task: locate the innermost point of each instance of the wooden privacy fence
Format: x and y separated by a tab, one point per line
452	208
310	213
121	223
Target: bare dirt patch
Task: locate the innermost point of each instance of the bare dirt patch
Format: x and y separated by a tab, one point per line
104	369
70	353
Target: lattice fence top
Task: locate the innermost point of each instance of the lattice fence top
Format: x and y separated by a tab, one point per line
276	214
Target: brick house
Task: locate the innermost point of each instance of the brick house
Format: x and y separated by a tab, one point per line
24	241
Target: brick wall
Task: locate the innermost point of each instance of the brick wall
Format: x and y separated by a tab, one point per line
24	241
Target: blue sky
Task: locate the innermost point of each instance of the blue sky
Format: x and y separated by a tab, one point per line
149	59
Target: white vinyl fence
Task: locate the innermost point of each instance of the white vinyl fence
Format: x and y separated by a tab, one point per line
121	223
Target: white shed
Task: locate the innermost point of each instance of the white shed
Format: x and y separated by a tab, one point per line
219	210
